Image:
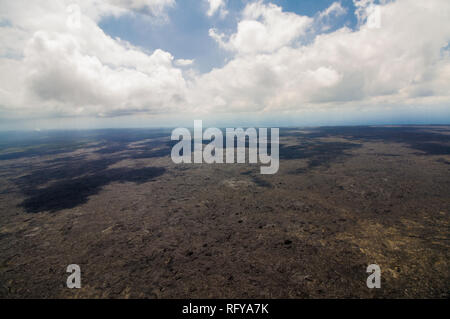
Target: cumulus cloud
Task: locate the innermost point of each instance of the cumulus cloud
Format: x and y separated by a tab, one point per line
263	28
335	9
63	68
217	6
52	67
400	62
60	72
326	18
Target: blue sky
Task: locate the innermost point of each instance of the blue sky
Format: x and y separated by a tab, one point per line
185	34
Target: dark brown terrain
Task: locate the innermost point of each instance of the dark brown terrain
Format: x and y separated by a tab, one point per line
140	226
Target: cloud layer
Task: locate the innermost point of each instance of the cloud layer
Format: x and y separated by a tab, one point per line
56	61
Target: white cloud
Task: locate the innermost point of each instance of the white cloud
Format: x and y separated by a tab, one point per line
335	9
217	6
399	63
49	67
263	28
60	69
153	6
184	62
326	18
60	72
368	12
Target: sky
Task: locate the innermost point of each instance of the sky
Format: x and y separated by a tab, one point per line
147	63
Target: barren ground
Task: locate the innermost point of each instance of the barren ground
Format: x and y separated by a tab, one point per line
140	226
